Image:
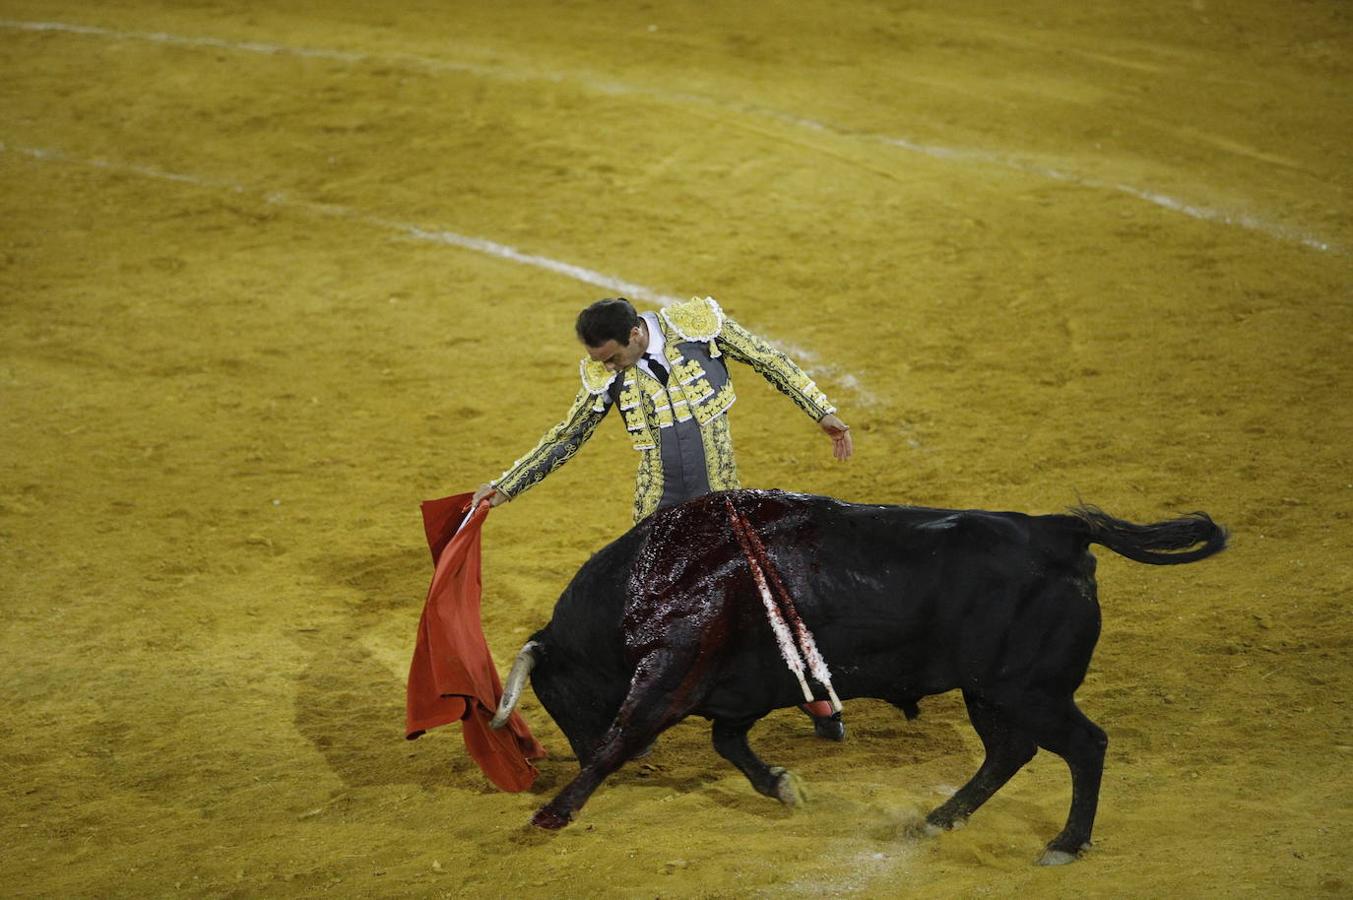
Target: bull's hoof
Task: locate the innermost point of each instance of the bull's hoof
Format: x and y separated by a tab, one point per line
549	819
1057	857
928	829
924	829
788	789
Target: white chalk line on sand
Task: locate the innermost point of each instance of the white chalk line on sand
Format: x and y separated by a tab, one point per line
439	236
949	154
629	289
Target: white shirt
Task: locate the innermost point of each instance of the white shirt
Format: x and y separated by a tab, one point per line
655	343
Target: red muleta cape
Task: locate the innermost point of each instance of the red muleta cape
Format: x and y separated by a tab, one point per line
452	677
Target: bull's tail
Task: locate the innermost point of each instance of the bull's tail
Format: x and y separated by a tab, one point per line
1182	540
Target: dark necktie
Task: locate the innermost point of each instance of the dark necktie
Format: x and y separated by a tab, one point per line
659	372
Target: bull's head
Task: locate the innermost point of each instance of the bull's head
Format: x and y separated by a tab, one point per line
581	697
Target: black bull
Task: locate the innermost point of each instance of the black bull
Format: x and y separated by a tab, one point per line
904	602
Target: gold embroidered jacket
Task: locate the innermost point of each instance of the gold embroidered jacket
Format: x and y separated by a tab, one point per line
698	337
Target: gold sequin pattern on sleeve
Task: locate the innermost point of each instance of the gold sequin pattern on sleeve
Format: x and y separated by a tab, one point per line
740	344
560	444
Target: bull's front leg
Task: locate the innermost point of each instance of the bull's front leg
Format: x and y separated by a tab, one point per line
619	746
559	811
730	740
656	700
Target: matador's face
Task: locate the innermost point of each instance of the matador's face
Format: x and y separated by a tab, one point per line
616	356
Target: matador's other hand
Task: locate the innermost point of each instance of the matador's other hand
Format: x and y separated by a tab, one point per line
494	496
839	432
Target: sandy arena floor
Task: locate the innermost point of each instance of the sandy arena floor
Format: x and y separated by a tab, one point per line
1095	251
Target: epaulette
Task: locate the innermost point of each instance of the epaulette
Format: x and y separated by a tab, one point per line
696	319
596	377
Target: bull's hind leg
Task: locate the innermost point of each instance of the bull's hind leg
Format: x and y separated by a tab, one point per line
1059	726
730	740
1082	744
655	702
1008	748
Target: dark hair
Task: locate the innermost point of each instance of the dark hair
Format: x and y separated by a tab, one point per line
611	319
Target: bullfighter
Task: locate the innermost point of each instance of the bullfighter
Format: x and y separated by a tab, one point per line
668	373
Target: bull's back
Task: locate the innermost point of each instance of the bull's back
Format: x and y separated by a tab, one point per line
927	599
909	590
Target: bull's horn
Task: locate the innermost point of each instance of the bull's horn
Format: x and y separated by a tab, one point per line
521	667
